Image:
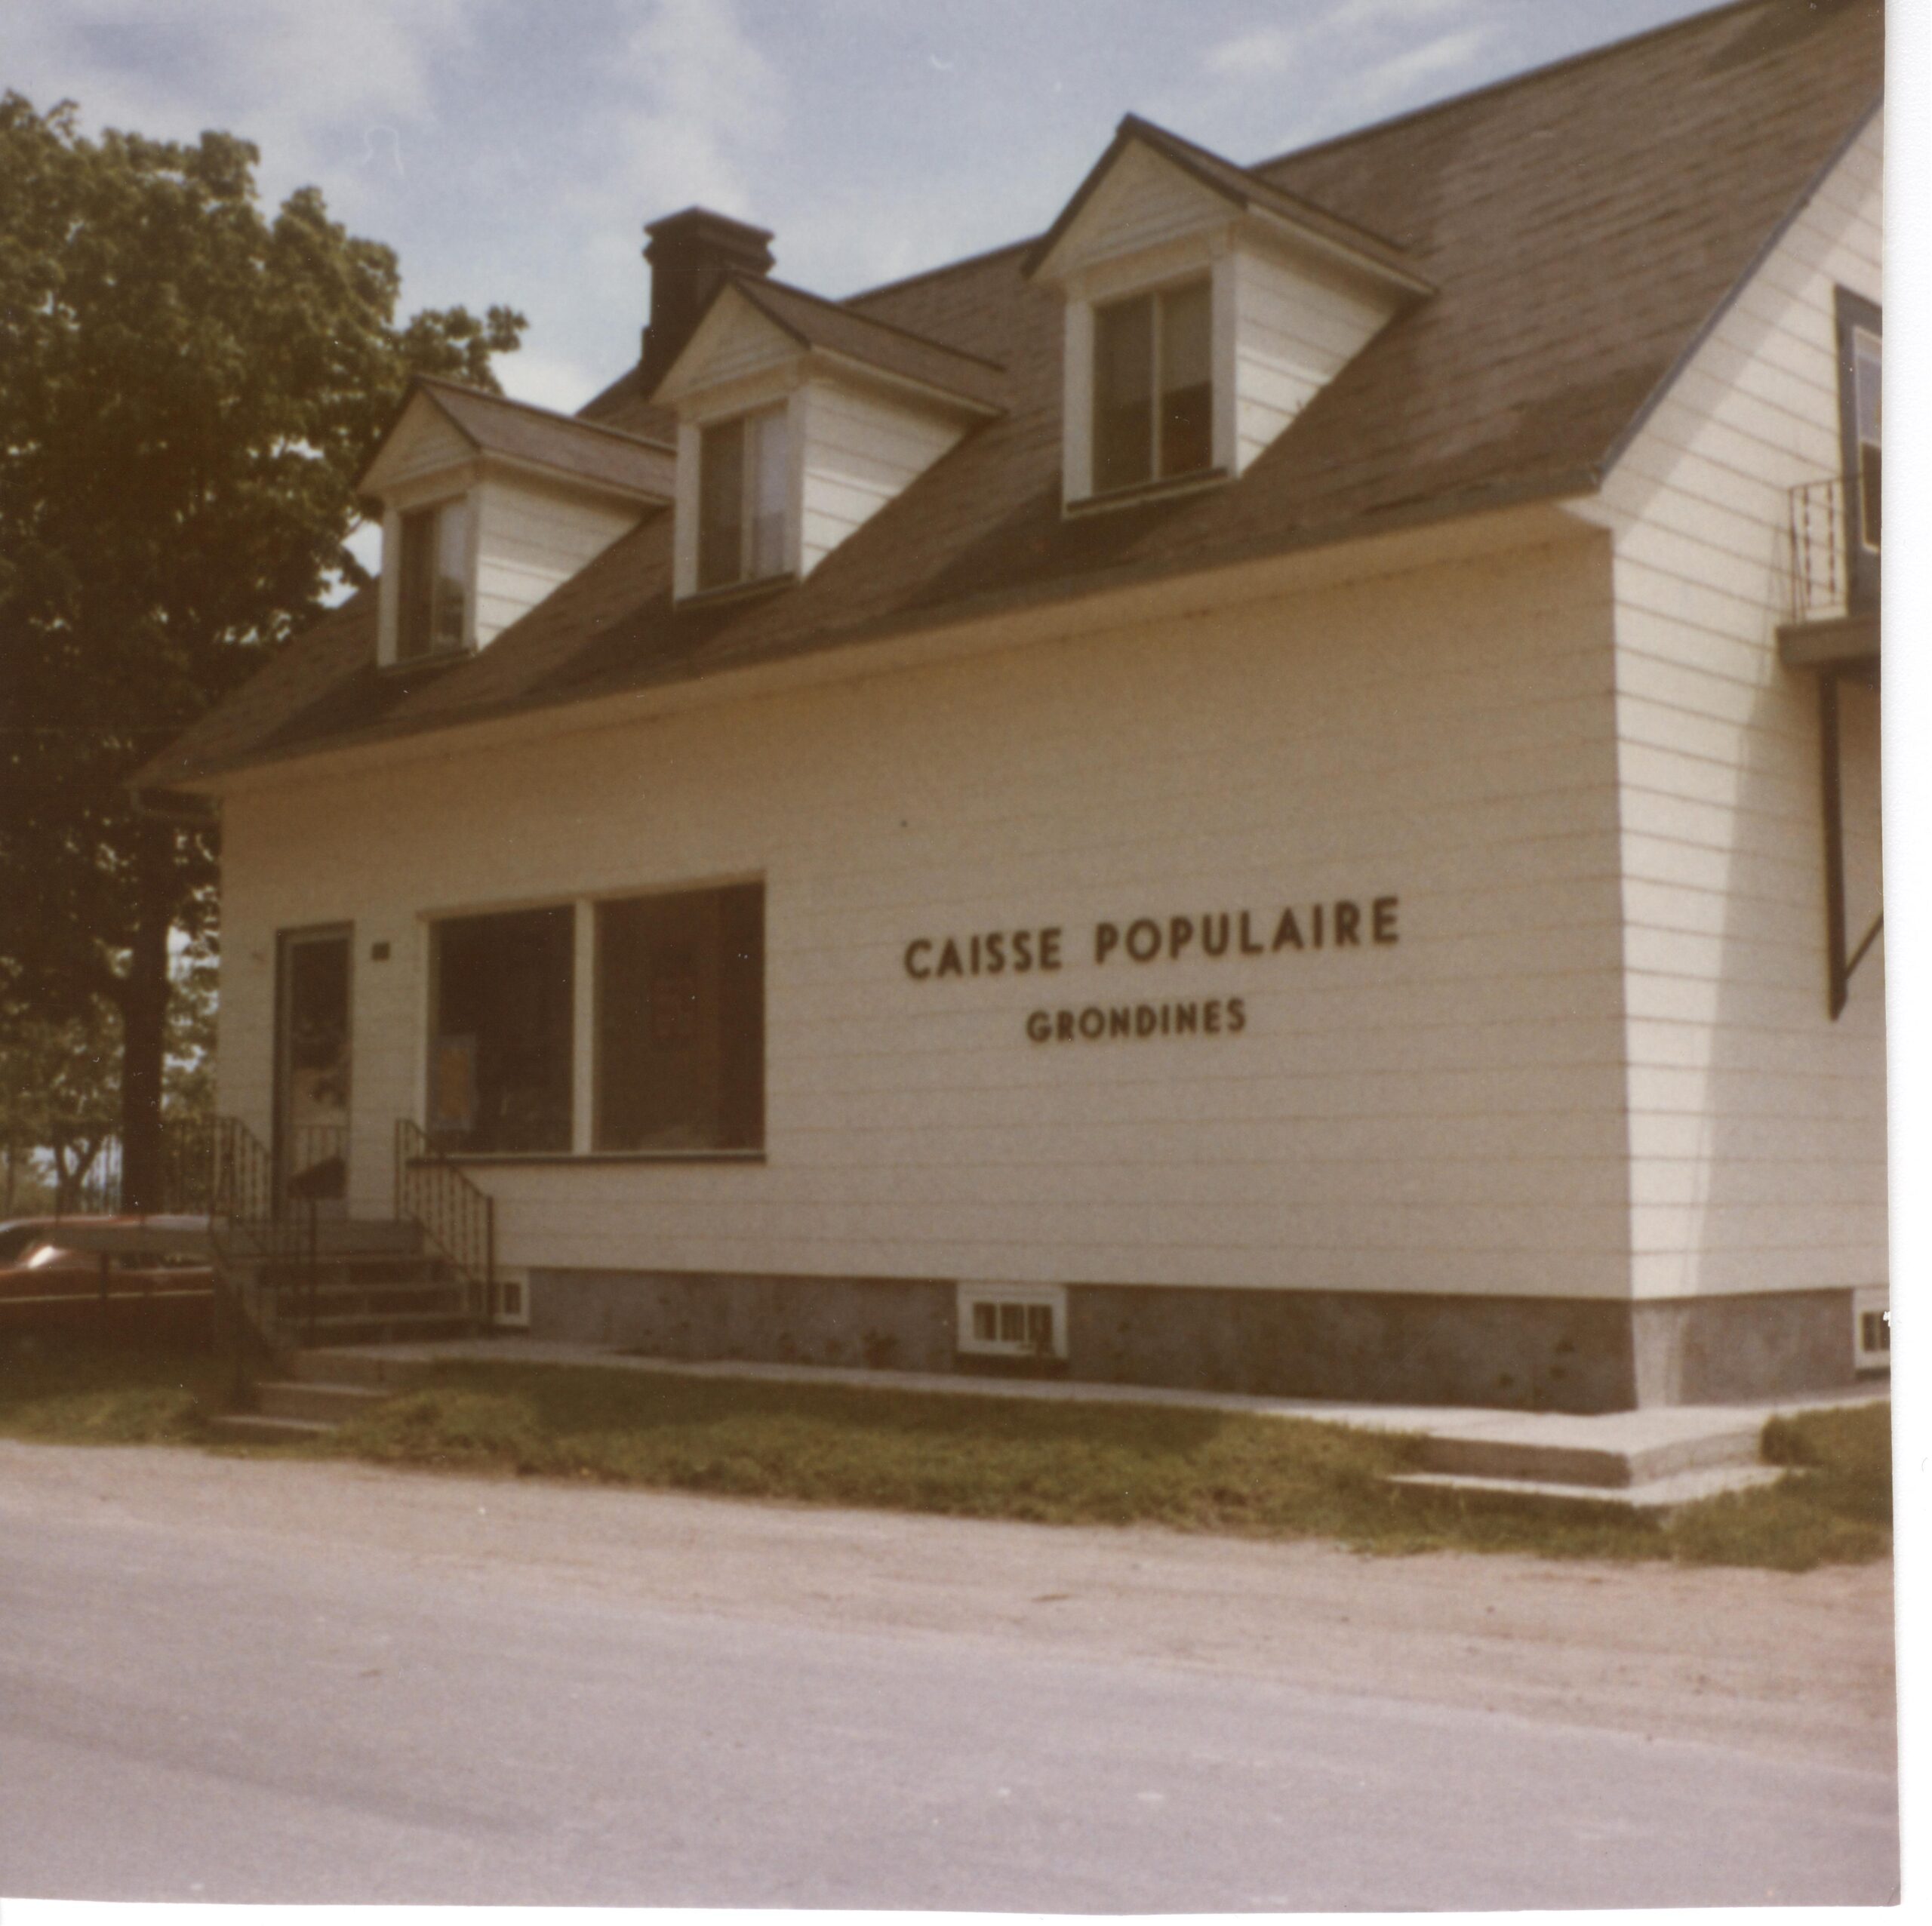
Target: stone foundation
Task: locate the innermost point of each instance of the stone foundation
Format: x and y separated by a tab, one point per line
1580	1355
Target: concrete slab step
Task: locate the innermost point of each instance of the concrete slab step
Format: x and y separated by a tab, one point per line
363	1369
1635	1448
257	1428
1657	1495
320	1403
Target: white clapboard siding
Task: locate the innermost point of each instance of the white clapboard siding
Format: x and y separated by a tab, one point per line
1757	1125
1295	323
529	540
861	449
1143	202
1444	1115
425	441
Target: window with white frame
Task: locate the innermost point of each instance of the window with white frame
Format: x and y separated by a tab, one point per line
1153	387
1012	1320
432	601
744	481
1872	1329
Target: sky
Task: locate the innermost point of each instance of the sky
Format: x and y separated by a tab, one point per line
511	150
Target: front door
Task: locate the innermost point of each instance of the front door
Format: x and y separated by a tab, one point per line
312	1068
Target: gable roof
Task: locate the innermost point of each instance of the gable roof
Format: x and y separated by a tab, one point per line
815	323
1245	191
1581	225
566	445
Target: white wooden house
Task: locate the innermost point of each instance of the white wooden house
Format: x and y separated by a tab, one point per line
1275	787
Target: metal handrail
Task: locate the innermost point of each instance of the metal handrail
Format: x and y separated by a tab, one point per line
456	1216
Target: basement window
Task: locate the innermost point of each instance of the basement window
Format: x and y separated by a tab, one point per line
681	1021
744	481
500	1049
432	603
1871	1330
1012	1320
1153	387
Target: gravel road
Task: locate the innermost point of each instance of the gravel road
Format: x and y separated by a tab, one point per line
235	1680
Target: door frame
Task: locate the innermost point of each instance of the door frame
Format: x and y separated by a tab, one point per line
285	941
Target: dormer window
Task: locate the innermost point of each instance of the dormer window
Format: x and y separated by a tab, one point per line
432	608
1153	387
744	482
1205	307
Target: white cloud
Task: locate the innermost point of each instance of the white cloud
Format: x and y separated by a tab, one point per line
295	76
708	103
1267	49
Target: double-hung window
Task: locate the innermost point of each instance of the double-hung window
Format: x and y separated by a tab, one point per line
1153	387
744	481
432	606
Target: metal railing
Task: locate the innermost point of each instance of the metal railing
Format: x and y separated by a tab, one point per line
265	1240
457	1218
1819	557
1826	531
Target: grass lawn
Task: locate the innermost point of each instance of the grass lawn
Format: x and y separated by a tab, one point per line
988	1458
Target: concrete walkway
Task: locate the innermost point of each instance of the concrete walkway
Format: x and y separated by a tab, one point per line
1668	1455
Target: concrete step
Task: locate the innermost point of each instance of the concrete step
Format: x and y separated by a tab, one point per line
323	1404
1640	1448
1657	1494
376	1328
363	1369
350	1236
257	1428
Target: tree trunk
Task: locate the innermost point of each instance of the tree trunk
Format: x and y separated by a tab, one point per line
144	1024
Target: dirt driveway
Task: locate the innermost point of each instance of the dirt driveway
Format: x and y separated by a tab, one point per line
1794	1666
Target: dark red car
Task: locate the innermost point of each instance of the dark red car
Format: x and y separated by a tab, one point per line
126	1277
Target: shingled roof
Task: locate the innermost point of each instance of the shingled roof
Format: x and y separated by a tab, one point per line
566	445
1581	226
866	339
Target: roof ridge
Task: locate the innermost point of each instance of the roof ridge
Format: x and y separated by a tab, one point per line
965	261
1580	58
537	407
1141	124
845	308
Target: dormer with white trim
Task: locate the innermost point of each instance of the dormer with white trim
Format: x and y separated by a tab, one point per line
1205	307
798	420
488	505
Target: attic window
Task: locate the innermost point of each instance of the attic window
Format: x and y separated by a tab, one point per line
432	608
743	483
1153	387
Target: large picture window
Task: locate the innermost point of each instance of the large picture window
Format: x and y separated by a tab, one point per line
1153	387
433	598
681	1021
499	1047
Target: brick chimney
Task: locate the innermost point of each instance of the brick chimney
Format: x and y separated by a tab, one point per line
689	254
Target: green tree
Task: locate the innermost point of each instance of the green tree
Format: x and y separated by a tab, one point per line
188	390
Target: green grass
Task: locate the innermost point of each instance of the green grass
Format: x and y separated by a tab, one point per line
986	1457
1097	1464
64	1391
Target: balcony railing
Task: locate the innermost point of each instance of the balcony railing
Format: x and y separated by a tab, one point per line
1832	558
1819	572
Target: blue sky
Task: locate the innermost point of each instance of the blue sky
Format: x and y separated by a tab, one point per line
511	150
